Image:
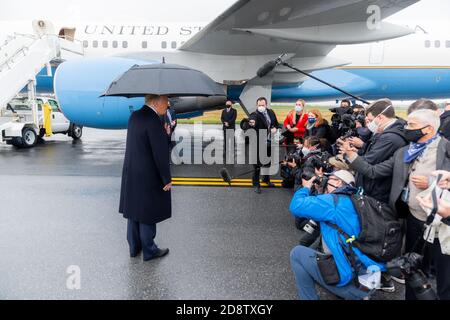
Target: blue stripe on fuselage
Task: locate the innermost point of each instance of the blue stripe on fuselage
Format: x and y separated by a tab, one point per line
369	83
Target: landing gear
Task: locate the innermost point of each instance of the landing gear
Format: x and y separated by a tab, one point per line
75	131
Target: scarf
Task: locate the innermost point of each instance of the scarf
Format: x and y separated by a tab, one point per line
416	149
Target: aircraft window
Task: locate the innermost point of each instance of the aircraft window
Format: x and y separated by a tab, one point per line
144	44
95	44
427	43
437	44
164	45
105	44
447	44
174	45
115	44
85	43
125	44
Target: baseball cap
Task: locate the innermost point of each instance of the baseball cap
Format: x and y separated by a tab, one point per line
345	176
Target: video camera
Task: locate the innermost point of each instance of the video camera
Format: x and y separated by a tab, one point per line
319	161
345	120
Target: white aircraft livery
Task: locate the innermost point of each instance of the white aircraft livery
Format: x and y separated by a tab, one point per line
357	45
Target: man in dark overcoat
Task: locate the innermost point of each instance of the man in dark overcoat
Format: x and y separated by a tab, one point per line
145	198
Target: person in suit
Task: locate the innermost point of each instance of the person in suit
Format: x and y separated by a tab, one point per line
145	197
263	120
228	118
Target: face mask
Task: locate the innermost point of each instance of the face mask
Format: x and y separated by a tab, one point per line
372	126
311	120
414	135
262	109
298	109
305	151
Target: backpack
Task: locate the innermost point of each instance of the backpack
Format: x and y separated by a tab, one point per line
381	232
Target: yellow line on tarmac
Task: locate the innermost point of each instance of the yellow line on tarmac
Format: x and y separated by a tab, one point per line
216	179
233	184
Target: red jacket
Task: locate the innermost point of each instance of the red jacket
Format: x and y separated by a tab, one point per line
301	124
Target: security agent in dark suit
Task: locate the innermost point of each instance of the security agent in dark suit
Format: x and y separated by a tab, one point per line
263	119
145	197
228	118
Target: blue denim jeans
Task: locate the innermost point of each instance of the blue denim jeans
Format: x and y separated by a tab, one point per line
307	274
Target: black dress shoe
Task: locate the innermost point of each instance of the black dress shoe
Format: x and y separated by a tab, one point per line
258	189
159	254
134	254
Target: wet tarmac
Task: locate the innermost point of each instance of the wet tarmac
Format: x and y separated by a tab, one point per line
59	208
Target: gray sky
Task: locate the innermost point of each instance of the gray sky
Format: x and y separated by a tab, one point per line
162	10
93	10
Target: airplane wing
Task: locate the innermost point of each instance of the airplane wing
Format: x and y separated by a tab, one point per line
306	28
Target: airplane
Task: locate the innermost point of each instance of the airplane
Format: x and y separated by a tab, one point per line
354	44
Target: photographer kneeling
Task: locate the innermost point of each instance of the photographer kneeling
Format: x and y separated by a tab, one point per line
333	269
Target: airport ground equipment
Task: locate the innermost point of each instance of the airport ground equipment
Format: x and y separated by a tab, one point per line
22	57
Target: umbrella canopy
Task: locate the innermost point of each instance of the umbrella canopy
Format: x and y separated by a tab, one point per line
164	80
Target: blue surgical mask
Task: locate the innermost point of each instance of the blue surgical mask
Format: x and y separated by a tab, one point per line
312	120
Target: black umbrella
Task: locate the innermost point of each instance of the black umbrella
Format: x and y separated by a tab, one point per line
164	80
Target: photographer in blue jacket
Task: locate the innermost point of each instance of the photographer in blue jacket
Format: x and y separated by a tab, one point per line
334	269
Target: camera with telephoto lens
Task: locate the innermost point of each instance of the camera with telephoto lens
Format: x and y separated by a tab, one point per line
309	233
409	267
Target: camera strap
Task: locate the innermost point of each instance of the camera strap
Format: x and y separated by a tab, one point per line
350	241
348	250
429	221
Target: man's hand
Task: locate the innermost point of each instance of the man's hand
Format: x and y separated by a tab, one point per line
168	130
444	183
289	127
319	172
174	123
421	182
168	187
273	130
443	206
226	124
346	148
252	123
292	164
357	142
308	183
340	141
293	130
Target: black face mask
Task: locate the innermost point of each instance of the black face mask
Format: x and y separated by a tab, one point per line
414	135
